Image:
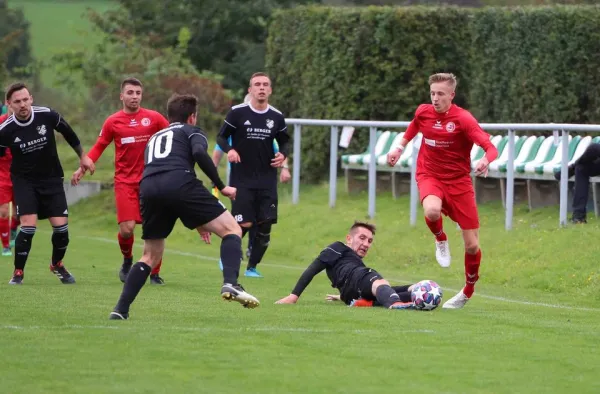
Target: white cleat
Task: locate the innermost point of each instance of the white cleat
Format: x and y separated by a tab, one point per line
456	302
442	253
237	293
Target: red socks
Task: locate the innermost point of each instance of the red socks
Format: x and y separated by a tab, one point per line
4	232
156	269
126	245
472	262
14	223
437	229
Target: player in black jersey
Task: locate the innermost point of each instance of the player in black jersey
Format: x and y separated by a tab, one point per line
170	190
37	176
347	272
252	128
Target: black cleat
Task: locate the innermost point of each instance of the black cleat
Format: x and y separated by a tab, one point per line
156	280
578	220
118	316
237	293
125	268
17	278
61	272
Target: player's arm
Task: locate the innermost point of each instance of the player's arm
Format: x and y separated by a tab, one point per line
217	155
411	130
307	276
283	138
476	134
227	130
104	139
200	154
85	163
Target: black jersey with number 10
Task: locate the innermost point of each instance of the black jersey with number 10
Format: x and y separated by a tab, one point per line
172	149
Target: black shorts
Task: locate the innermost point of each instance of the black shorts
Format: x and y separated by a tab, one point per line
359	285
165	197
44	197
255	205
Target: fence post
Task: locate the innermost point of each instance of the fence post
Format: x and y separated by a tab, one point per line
296	169
510	181
564	178
414	192
372	173
333	152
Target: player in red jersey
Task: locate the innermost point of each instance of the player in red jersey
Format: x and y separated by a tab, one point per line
8	226
443	174
130	129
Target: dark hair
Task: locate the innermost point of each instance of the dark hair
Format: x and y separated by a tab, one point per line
368	226
131	81
181	106
15	87
258	74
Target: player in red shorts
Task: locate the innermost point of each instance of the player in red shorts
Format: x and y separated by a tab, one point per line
8	226
443	174
130	129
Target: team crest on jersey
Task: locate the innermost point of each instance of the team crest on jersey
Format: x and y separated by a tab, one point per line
270	123
146	122
41	129
450	127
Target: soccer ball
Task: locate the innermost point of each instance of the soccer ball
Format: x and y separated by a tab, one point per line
426	295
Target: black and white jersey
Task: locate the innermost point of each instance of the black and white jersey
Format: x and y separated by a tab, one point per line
177	148
252	133
33	145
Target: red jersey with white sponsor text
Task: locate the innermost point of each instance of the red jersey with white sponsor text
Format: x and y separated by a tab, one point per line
5	161
130	132
448	138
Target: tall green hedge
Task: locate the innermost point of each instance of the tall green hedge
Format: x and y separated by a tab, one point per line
520	65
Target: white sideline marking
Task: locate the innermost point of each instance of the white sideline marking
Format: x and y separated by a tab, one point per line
204	329
502	299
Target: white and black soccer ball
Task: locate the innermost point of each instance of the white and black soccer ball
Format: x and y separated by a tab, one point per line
426	295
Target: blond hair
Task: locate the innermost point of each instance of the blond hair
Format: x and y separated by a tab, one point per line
444	77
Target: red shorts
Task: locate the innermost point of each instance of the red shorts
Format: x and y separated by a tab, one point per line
6	193
458	199
127	201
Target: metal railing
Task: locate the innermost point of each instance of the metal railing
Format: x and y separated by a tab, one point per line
565	128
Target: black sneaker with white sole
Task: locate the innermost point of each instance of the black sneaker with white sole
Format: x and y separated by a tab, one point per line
125	268
114	315
237	293
61	273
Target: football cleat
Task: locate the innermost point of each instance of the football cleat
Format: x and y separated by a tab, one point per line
61	273
402	305
114	315
456	302
361	303
442	253
6	252
252	273
156	280
17	278
237	293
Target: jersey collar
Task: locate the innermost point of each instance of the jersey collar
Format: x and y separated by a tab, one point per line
26	123
257	111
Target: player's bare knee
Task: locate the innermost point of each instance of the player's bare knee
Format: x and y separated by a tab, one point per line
126	229
377	283
472	248
433	213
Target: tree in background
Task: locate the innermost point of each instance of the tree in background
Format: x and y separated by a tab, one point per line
226	37
15	52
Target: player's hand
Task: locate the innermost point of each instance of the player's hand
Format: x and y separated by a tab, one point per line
291	299
332	297
278	160
482	167
393	157
87	164
229	191
233	156
205	235
285	175
76	177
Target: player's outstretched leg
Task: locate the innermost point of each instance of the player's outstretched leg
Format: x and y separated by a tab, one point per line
60	241
387	297
22	248
260	244
126	246
231	253
472	263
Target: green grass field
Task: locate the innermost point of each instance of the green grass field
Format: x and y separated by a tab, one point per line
531	327
59	25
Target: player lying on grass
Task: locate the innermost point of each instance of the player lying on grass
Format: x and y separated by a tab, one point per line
404	292
347	272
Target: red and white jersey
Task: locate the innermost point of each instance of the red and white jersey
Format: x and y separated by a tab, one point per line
448	138
5	161
130	132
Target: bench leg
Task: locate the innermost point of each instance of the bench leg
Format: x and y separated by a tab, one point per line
542	193
487	189
356	180
400	184
520	191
